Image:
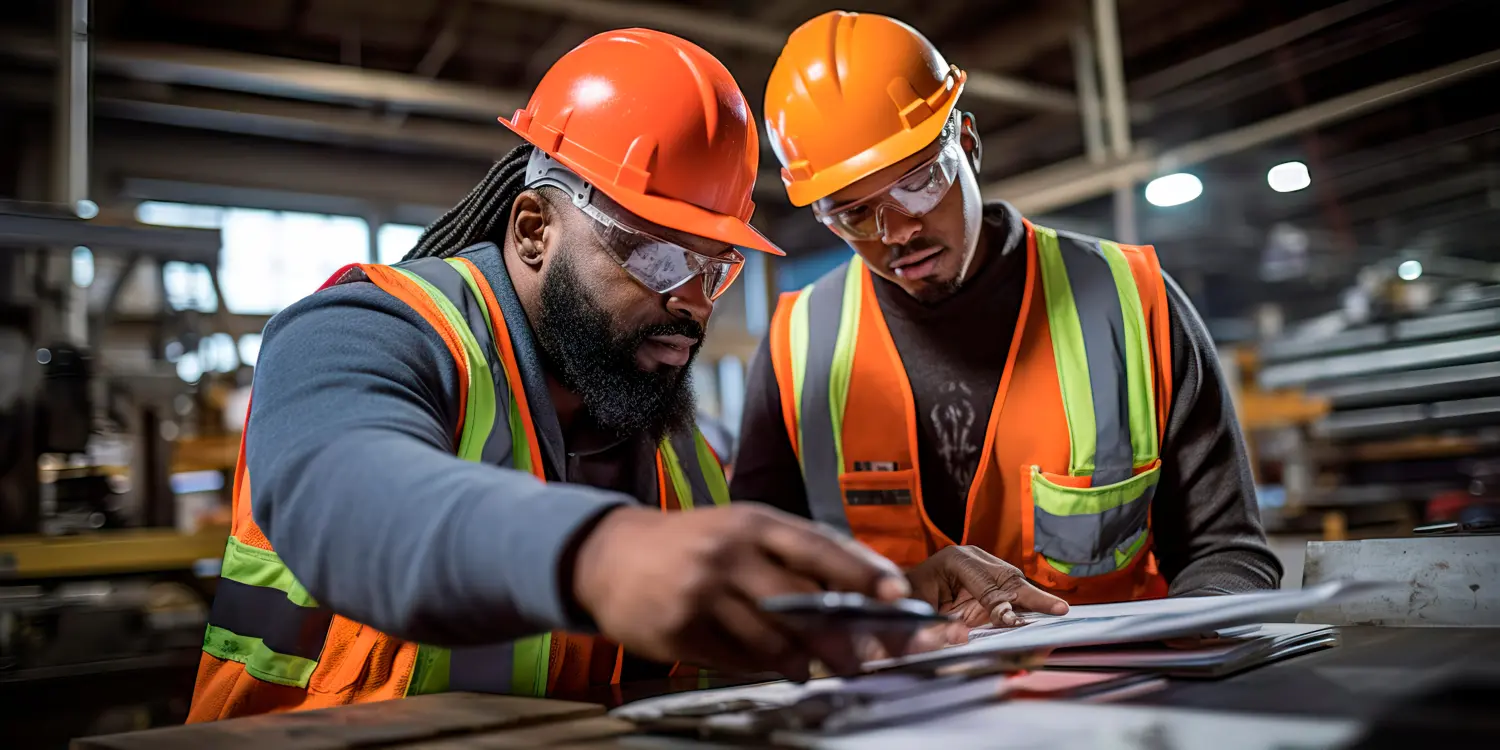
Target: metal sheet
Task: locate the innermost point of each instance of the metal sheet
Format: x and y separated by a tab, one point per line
1438	384
1452	581
1410	419
1465	351
1414	329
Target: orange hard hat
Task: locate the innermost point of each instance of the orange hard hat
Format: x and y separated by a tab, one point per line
852	94
657	124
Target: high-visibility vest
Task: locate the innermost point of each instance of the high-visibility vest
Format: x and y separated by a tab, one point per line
1071	453
271	647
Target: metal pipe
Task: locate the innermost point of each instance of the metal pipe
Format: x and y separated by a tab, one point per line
71	143
1086	71
1068	183
1112	65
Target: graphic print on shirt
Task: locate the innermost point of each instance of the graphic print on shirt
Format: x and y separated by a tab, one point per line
953	421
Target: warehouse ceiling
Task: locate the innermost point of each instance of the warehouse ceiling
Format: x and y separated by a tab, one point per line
1389	104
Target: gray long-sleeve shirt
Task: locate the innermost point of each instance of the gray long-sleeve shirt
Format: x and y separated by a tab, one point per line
355	483
1206	524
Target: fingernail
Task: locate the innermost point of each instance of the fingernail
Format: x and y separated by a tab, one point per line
1060	608
1009	618
893	587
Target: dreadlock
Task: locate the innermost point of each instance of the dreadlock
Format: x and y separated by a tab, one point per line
481	215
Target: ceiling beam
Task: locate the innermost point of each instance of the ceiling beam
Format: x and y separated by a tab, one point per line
283	78
716	28
1075	181
300	121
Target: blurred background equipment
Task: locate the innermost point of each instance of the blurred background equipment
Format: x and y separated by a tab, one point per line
1322	178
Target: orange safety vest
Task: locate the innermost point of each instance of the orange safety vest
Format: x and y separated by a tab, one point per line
270	647
1072	451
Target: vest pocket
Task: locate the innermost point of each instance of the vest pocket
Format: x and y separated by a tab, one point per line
1080	532
882	513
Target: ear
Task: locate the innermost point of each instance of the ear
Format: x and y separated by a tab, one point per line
530	221
969	139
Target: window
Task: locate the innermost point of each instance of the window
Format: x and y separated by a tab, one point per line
394	241
270	259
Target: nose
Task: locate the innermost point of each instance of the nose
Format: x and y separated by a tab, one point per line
897	228
690	301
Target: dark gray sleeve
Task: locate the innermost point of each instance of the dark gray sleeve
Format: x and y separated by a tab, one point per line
766	468
1205	520
350	454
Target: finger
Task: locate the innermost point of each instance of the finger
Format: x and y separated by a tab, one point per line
1029	597
836	649
761	641
838	563
717	649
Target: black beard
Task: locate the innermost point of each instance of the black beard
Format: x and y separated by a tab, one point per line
598	363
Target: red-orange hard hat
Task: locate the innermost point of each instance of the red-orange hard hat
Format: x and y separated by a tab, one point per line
657	124
852	94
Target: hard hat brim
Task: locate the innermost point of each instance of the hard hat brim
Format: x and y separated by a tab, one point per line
668	212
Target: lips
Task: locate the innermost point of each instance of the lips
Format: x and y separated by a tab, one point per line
918	265
674	350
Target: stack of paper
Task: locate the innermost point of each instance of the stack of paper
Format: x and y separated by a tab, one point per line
1136	622
1225	653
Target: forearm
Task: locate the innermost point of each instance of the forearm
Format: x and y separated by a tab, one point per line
421	545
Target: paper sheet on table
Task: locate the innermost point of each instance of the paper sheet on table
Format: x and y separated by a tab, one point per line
1140	621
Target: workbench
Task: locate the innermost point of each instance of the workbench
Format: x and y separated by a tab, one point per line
1324	699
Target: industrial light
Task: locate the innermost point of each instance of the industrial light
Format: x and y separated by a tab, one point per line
1410	270
1173	189
1289	177
83	267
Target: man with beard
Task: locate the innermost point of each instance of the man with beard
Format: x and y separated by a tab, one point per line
970	385
459	463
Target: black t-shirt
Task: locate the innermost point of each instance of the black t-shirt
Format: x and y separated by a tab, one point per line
1208	535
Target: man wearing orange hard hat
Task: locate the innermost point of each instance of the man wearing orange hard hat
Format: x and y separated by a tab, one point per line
1044	406
454	468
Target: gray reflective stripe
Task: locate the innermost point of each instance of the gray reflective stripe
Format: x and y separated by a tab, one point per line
437	272
1091	537
687	458
1098	302
482	669
820	463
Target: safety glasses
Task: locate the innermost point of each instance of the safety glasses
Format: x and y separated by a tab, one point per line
914	194
661	265
657	264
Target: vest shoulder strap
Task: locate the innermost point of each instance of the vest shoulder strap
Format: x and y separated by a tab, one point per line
1102	345
822	330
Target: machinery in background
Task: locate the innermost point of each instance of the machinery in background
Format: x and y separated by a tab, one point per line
103	599
1405	381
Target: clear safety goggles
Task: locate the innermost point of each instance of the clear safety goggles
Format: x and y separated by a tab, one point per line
657	264
914	194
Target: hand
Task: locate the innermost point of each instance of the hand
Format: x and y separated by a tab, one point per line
979	587
685	586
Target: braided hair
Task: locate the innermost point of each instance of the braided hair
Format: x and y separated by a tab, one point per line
481	215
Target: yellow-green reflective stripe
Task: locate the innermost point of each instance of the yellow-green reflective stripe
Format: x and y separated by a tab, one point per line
842	368
260	662
1138	373
1067	349
1122	558
430	675
680	486
520	447
1078	501
713	473
253	566
529	677
797	339
1062	567
479	416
